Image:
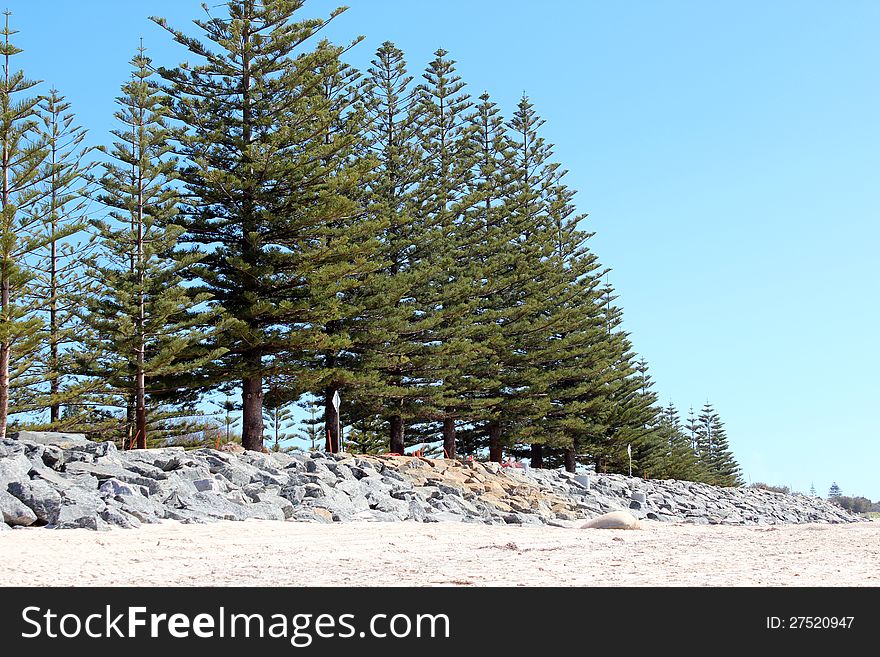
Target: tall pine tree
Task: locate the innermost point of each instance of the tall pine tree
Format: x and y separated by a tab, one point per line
147	325
58	284
253	123
22	168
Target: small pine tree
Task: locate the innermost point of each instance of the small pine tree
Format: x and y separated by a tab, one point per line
58	284
834	491
147	328
812	490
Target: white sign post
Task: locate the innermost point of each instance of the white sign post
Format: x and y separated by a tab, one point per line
336	401
629	453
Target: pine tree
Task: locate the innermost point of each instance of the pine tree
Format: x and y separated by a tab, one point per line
447	160
341	286
812	490
629	416
58	284
692	428
714	451
399	353
311	426
278	419
834	491
258	169
147	326
533	294
679	460
22	168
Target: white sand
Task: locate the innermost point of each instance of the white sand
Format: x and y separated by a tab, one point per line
265	553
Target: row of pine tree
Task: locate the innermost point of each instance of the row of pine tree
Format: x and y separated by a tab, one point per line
272	222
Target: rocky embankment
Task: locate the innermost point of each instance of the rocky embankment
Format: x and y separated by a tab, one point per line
67	482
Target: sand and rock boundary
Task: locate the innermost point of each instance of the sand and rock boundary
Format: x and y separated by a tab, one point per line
66	481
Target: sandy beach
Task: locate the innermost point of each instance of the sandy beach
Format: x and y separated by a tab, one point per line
271	553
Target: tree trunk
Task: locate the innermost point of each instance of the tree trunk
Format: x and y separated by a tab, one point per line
449	438
252	412
140	410
4	385
54	382
537	456
496	451
570	459
397	446
331	421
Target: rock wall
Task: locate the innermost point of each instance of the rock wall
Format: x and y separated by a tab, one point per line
68	483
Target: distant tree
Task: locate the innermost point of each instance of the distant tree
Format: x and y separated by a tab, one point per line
812	490
277	419
834	491
853	504
776	489
311	428
229	420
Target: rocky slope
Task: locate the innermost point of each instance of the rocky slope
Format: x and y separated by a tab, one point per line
63	481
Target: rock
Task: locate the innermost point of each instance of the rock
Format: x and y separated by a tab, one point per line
14	468
144	509
79	508
164	458
15	512
613	520
9	447
266	511
119	518
209	484
39	497
107	470
283	504
582	480
214	505
51	438
114	487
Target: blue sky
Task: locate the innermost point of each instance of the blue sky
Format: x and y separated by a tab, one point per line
728	156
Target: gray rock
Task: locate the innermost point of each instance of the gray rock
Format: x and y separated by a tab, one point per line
114	487
61	480
119	518
283	504
39	497
9	447
15	512
215	505
107	470
144	509
443	516
14	468
266	511
51	438
164	458
79	508
210	484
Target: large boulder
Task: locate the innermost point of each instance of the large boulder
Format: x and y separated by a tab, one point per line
15	512
40	497
52	438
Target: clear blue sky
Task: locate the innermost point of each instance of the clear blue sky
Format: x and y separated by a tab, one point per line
728	155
